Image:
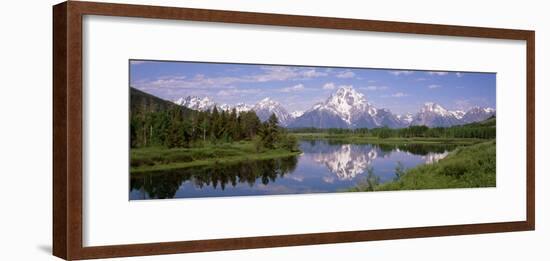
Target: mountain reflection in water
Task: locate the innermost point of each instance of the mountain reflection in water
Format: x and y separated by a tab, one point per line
323	166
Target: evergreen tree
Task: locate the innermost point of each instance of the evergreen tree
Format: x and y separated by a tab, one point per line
233	126
269	133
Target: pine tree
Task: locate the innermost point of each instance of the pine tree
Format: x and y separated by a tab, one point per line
215	124
270	132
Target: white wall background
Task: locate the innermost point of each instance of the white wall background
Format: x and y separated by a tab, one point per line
25	132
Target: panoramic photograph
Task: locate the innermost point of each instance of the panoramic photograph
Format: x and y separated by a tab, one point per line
199	129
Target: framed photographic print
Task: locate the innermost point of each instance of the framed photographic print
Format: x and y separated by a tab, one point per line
222	131
185	130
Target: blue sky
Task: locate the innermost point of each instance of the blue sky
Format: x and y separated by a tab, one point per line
299	87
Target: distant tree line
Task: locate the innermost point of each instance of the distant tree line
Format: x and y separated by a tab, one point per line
177	127
464	131
484	130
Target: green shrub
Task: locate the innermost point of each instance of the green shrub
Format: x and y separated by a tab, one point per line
465	167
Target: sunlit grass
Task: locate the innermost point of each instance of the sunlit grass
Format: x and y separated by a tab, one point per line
465	167
162	158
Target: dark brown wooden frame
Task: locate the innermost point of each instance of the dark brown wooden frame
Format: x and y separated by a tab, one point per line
67	129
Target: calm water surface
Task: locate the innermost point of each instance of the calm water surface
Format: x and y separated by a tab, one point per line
324	166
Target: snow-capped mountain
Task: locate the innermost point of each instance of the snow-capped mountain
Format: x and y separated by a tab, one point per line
266	107
196	103
224	107
241	107
205	103
348	104
406	118
459	114
434	115
346	108
263	108
296	114
478	114
385	117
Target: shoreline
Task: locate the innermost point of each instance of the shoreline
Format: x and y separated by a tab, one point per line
161	158
465	167
241	153
359	139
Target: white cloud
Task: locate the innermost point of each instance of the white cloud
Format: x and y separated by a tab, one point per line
459	74
346	74
295	88
274	73
183	82
399	95
268	74
402	72
420	79
329	86
438	73
283	73
312	73
375	88
434	86
235	91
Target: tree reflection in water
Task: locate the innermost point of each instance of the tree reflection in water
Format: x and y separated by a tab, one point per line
324	166
418	149
165	184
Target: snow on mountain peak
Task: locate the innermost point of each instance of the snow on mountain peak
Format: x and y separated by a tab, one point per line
267	103
435	108
480	110
206	103
477	113
406	118
459	114
489	110
348	95
242	107
346	108
225	107
196	103
267	106
346	103
296	114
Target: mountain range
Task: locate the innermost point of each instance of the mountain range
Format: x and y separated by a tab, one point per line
347	108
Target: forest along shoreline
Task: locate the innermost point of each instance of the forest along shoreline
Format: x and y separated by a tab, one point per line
254	141
165	136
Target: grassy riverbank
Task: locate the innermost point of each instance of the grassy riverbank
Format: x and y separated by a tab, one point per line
362	139
465	167
162	158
